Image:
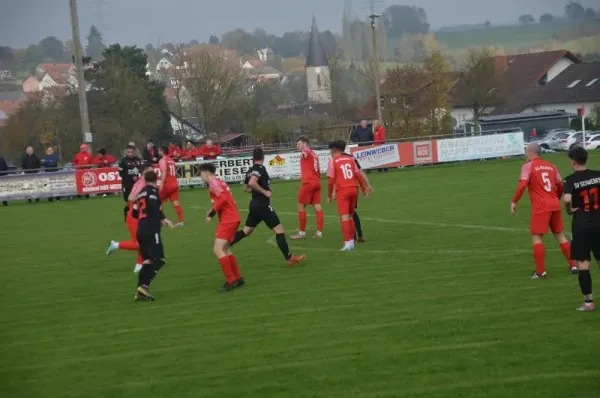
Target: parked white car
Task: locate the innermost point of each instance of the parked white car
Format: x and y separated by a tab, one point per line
592	141
568	140
551	140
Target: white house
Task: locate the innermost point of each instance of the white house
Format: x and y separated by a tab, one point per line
265	54
164	63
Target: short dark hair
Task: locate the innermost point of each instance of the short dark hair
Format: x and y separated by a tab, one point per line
341	145
210	167
151	176
258	154
164	149
303	138
579	155
130	147
102	151
145	166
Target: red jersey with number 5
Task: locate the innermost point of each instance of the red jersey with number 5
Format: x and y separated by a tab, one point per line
310	169
167	165
544	185
222	201
344	172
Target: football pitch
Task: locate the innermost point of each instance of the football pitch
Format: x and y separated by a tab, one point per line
437	303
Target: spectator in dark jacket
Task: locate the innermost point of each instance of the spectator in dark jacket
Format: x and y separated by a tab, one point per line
31	164
50	161
150	154
3	172
363	135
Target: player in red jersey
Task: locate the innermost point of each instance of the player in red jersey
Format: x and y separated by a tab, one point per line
169	186
310	190
545	187
343	175
132	221
223	205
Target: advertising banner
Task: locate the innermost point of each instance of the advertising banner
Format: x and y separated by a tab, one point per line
387	155
287	165
422	152
37	185
480	147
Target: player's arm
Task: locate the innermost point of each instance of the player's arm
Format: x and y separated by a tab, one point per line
521	187
568	198
560	185
253	184
361	181
163	173
122	169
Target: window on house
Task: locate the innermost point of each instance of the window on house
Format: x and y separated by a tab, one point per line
573	84
591	82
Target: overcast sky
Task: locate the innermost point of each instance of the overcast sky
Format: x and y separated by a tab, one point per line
24	22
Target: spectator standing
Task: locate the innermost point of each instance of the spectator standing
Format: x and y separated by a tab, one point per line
362	135
210	151
190	152
150	154
31	164
103	159
174	151
379	137
3	172
83	159
50	164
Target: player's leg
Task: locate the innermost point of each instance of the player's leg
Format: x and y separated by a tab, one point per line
316	202
557	228
174	198
142	293
254	218
301	214
584	242
220	250
272	221
538	228
343	205
126	192
229	231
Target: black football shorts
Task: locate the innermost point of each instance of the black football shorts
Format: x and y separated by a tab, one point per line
262	213
584	242
151	247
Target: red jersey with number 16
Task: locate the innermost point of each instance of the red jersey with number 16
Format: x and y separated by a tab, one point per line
223	202
544	185
167	165
310	169
343	174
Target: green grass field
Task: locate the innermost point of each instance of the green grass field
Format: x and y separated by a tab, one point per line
436	304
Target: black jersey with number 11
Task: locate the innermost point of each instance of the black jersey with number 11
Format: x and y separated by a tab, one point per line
584	187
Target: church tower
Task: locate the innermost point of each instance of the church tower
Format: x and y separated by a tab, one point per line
318	79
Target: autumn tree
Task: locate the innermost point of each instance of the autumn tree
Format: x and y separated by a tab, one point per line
439	84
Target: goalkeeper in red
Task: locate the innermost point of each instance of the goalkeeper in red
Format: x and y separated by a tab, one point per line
545	187
223	205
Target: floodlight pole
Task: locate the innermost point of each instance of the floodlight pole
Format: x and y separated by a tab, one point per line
373	18
83	106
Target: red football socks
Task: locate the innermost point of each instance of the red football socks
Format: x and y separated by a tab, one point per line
320	220
129	245
179	212
235	269
347	230
302	220
139	260
226	267
566	249
539	255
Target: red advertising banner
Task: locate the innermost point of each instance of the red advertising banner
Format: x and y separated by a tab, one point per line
103	180
396	155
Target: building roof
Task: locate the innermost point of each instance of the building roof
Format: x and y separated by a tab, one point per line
512	117
316	51
226	137
516	72
12	96
579	83
10	107
60	68
256	63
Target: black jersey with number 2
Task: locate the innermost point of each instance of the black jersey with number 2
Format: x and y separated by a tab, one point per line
264	181
150	213
584	187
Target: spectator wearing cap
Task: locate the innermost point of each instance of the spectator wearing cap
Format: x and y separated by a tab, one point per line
31	164
138	153
83	159
150	154
103	159
210	151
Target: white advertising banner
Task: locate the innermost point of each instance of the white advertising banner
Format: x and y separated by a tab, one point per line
287	165
480	147
37	185
378	156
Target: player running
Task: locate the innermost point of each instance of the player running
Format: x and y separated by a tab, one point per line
545	186
359	236
258	183
169	186
132	220
343	175
129	168
150	219
310	190
582	200
223	205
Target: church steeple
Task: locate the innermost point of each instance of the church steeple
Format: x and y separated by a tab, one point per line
318	78
316	55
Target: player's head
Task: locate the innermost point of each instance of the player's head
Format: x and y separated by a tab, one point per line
258	155
151	177
102	151
337	147
145	167
533	151
207	171
163	151
130	151
302	143
579	157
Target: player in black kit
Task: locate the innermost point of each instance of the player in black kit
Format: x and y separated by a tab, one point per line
258	183
150	220
128	171
582	200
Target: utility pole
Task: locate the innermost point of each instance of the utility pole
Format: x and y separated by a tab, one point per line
373	18
83	106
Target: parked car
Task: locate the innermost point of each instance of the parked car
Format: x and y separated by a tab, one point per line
552	138
569	140
592	140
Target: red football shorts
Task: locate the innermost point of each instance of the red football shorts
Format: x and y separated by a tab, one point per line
310	194
226	230
169	192
540	223
347	198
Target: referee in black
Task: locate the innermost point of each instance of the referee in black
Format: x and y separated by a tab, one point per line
150	220
129	172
